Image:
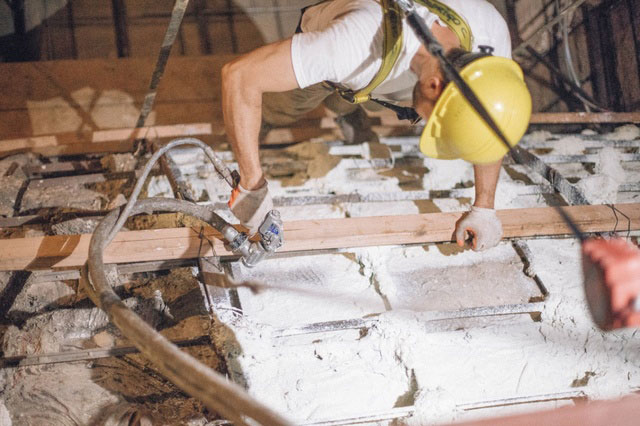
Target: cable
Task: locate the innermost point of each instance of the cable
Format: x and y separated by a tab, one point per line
218	394
564	25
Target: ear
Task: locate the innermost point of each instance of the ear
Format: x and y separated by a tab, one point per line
431	88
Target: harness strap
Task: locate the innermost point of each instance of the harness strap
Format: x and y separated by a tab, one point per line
391	47
392	43
452	19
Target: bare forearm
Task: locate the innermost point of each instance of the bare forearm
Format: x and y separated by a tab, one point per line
486	181
241	109
267	69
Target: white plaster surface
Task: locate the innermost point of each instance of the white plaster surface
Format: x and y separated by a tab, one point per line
403	358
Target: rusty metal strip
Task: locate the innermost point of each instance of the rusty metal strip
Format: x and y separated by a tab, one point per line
570	192
88	354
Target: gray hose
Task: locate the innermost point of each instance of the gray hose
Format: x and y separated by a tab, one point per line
219	165
198	380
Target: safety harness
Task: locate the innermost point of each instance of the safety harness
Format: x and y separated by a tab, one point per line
392	46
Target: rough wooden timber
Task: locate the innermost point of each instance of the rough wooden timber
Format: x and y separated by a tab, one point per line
45	104
190	89
114	140
175	243
585	117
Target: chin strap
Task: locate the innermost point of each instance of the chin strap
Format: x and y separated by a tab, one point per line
403	113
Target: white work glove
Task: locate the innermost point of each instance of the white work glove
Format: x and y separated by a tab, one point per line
482	225
250	207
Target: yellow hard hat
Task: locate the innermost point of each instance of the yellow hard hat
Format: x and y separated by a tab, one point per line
456	130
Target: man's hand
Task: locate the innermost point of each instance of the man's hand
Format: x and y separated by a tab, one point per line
482	225
251	206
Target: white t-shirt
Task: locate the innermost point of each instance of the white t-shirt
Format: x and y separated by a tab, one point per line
342	42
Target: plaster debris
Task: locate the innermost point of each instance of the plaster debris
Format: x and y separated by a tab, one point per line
610	162
118	201
119	162
340	375
445	174
433	406
159	186
8	192
75	226
568	145
539	136
58	196
628	132
5	418
602	187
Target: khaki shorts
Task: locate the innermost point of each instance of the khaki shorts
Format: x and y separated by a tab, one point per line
285	108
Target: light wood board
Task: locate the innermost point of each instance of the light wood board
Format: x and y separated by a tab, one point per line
113	140
174	243
60	102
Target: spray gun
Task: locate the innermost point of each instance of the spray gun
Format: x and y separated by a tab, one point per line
270	231
252	252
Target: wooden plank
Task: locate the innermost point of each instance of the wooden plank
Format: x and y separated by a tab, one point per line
105	93
585	117
76	167
387	118
99	140
60	97
64	251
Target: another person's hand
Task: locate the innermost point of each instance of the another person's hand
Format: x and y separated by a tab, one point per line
250	207
482	225
611	270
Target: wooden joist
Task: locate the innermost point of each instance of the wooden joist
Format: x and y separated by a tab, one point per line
388	118
46	105
50	97
585	118
179	243
112	140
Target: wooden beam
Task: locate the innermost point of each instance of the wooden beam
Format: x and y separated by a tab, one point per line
384	120
388	118
70	251
585	117
112	140
53	97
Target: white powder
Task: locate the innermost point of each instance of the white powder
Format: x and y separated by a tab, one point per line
627	132
5	419
402	359
610	163
599	189
445	174
602	187
569	145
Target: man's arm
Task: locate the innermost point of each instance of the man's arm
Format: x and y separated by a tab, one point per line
481	223
244	80
486	181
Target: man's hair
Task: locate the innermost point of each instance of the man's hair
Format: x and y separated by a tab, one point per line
459	58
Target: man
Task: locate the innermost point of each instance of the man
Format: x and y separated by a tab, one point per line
341	42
